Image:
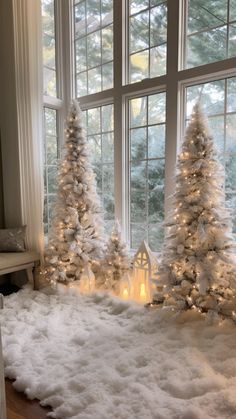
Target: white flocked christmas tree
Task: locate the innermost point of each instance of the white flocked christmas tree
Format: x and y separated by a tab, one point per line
117	262
198	263
76	235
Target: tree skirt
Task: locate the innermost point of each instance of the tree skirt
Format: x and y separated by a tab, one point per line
97	357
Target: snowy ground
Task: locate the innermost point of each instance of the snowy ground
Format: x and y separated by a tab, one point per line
97	357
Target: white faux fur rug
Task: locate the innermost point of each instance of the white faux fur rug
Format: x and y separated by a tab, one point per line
97	357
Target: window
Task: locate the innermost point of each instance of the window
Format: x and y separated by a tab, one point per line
211	31
51	150
138	67
49	48
93	30
147	39
53	60
218	100
118	164
147	166
100	134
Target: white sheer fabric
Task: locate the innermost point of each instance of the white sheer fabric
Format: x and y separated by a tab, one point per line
28	60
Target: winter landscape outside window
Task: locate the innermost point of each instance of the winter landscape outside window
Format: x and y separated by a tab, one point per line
93	31
147	168
49	48
211	31
147	39
122	53
50	92
99	123
51	151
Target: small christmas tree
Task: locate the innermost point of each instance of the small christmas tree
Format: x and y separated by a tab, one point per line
76	235
117	259
198	265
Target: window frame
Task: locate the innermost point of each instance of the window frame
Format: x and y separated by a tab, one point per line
64	57
174	82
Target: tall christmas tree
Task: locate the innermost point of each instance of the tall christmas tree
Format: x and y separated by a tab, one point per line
76	235
117	261
198	264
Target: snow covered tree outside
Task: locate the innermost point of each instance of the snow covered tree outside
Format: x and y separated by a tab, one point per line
76	236
117	259
198	265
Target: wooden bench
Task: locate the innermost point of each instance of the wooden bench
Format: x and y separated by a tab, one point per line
13	262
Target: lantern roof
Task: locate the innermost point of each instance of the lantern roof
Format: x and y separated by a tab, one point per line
145	249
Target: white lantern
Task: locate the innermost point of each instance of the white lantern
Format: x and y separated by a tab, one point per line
125	287
144	266
87	280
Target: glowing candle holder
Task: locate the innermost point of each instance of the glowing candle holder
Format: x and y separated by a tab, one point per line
125	287
144	268
87	280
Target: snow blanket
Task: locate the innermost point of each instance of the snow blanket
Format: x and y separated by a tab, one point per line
97	357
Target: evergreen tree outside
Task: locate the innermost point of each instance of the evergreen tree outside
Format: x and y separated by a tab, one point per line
76	236
198	267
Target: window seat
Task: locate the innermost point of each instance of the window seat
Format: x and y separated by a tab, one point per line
12	262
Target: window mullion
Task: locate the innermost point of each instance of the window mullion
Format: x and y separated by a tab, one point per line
171	99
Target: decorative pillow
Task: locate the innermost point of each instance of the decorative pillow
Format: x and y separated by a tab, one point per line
12	239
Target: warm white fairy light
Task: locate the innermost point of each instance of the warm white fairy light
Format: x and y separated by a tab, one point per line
196	264
76	234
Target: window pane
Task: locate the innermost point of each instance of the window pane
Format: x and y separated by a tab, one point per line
209	36
51	147
49	48
207	47
139	66
211	95
216	125
156	108
107	118
100	136
232	41
156	141
93	15
138	112
139	32
108	147
94	80
80	55
138	5
79	17
81	83
106	11
49	51
94	49
147	168
231	95
49	82
147	39
205	14
158	25
107	44
158	61
231	203
93	46
231	133
107	76
138	139
232	10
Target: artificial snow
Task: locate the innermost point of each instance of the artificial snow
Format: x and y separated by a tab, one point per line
97	357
